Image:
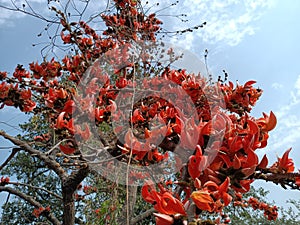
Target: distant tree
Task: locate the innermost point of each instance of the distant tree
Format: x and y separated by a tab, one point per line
244	215
118	135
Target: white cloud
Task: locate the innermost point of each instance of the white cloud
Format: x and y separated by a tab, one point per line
228	21
277	86
297	86
287	132
41	7
7	16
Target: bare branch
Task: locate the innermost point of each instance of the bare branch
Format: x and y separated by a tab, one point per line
32	201
35	187
33	13
51	163
286	179
10	157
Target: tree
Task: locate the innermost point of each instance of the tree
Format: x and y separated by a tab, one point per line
254	215
118	120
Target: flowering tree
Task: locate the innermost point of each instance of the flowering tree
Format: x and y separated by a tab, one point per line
116	109
252	215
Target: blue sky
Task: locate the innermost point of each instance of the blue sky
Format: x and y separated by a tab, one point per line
257	40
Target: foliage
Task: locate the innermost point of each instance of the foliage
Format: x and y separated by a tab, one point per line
247	215
113	119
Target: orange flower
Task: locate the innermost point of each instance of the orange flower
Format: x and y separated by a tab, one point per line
169	205
203	200
219	192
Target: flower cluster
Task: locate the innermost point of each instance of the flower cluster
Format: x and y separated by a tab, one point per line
269	211
130	23
14	95
4	181
37	212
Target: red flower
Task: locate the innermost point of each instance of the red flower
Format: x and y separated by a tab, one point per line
61	123
267	123
121	82
69	106
164	202
65	38
263	163
196	163
38	211
137	116
67	149
26	94
4	181
285	163
28	106
85	134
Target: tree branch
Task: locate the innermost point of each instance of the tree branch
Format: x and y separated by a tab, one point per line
72	181
33	13
51	163
35	187
12	154
142	216
33	202
286	179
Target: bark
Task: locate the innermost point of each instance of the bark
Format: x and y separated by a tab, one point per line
51	218
69	208
69	186
283	179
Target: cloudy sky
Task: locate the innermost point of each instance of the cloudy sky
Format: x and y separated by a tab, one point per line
250	39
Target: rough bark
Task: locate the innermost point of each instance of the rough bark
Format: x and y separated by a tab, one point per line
69	186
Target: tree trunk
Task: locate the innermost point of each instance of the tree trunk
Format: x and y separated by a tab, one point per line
69	186
69	207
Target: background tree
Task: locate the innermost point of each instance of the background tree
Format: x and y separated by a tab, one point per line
113	107
250	215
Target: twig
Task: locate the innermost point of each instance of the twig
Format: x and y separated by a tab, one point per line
12	154
35	187
286	179
51	163
32	201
